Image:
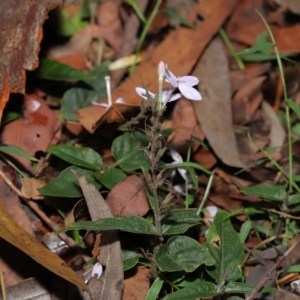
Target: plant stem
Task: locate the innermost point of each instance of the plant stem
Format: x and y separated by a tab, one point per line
287	109
226	40
144	33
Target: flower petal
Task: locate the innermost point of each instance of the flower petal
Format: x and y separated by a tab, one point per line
175	97
211	212
189	92
120	100
143	93
105	105
170	77
182	172
175	155
188	80
97	270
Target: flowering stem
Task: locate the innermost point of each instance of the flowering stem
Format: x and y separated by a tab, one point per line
186	179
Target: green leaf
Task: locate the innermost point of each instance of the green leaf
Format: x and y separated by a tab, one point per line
9	116
14	150
134	224
155	289
256	48
260	57
294	107
235	298
74	99
127	150
193	177
53	70
245	230
293	199
130	259
187	165
182	253
267	192
197	290
98	83
176	16
109	177
70	23
226	248
178	221
293	269
66	184
83	157
240	287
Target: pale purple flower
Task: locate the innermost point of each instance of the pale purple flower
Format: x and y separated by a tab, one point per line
97	270
185	84
166	94
177	159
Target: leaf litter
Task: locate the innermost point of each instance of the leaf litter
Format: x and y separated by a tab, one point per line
242	130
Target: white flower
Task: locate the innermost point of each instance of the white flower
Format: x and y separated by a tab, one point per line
97	270
211	212
166	94
177	160
184	84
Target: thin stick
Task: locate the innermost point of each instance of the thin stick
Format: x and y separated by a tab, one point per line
2	285
267	276
54	226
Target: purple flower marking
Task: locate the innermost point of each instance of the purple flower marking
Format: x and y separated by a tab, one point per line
184	85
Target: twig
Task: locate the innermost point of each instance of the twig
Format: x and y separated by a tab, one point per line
2	285
54	226
267	276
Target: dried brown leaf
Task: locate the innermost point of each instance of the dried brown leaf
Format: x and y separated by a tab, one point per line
129	197
110	285
185	125
214	111
35	131
137	286
247	100
30	188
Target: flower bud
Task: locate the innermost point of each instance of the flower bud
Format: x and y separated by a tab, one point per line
161	70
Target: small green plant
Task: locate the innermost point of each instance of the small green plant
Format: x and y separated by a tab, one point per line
177	261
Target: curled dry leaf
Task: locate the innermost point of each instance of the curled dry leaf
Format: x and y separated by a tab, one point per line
35	131
30	188
129	197
215	12
93	116
185	125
